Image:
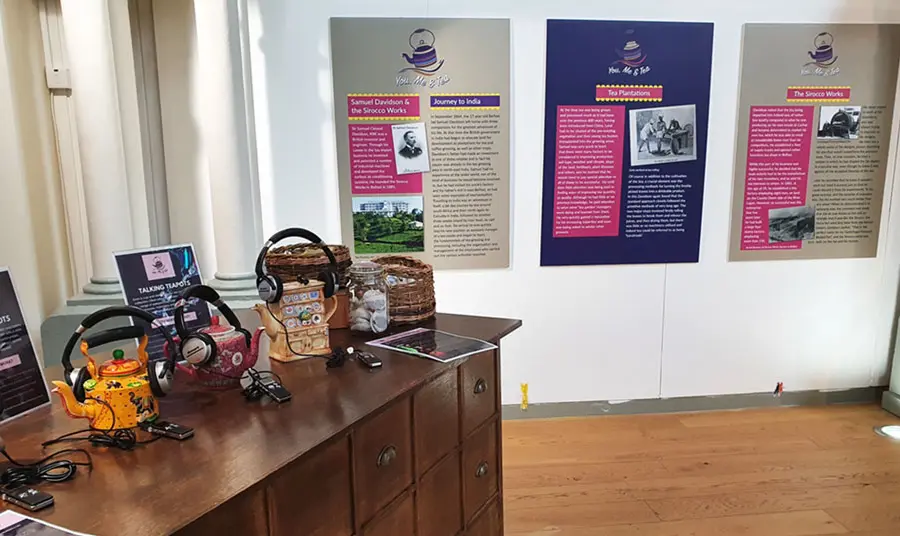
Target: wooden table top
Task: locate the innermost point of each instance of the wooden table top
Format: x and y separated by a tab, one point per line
162	487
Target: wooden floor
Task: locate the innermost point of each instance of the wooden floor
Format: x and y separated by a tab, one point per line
774	472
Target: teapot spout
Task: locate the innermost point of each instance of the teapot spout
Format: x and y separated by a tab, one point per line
269	323
73	407
254	347
409	59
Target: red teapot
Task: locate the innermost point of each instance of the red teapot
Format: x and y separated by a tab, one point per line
218	355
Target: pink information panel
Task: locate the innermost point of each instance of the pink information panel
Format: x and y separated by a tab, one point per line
372	167
587	195
777	170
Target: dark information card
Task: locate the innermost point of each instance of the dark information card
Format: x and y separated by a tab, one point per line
22	384
153	280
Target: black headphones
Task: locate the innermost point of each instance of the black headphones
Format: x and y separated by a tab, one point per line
199	348
271	287
160	373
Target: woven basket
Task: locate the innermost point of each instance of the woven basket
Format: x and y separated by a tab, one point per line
306	260
412	299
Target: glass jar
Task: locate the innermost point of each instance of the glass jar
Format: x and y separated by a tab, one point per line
368	298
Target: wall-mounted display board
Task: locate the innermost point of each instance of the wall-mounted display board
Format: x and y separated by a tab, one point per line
625	134
421	112
814	129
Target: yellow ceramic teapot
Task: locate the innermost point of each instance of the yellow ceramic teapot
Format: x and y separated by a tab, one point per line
119	393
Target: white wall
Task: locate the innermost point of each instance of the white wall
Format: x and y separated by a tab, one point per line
622	332
32	231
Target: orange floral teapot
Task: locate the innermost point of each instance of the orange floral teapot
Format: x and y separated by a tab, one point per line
119	393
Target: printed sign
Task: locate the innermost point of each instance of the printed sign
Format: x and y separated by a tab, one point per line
422	117
153	280
625	141
814	126
22	384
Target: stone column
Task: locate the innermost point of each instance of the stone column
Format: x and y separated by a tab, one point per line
233	188
95	98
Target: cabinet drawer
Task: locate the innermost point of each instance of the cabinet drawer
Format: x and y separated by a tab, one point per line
488	523
312	495
398	521
479	385
439	512
479	469
244	514
382	459
436	411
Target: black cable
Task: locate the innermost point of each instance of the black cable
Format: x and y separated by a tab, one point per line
124	439
57	470
336	359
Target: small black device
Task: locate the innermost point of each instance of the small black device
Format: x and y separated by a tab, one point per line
28	498
275	390
265	383
368	359
169	429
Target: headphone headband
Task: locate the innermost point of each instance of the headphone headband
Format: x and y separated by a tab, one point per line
295	232
209	295
106	313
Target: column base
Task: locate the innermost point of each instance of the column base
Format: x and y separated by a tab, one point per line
234	282
102	286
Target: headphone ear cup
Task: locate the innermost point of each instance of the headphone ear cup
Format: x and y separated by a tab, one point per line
82	375
270	288
330	281
198	349
160	386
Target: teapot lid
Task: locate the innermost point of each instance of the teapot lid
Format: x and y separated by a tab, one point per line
217	331
119	366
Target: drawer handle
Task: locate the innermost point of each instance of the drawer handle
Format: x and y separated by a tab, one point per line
387	455
482	470
480	386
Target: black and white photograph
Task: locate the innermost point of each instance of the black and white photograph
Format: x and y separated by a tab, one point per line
410	148
663	135
839	122
791	224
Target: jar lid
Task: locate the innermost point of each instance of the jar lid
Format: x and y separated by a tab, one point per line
366	269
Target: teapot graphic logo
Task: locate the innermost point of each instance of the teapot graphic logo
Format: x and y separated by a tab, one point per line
158	266
424	59
823	56
630	54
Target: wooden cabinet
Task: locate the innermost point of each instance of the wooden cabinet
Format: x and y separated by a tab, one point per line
488	522
436	408
413	448
313	497
396	520
479	390
382	459
479	470
439	511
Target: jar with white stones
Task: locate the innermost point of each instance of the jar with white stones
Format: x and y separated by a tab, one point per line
368	298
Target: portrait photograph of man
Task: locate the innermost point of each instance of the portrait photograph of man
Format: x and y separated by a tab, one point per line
410	148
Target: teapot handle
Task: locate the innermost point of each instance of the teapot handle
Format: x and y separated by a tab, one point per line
330	312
